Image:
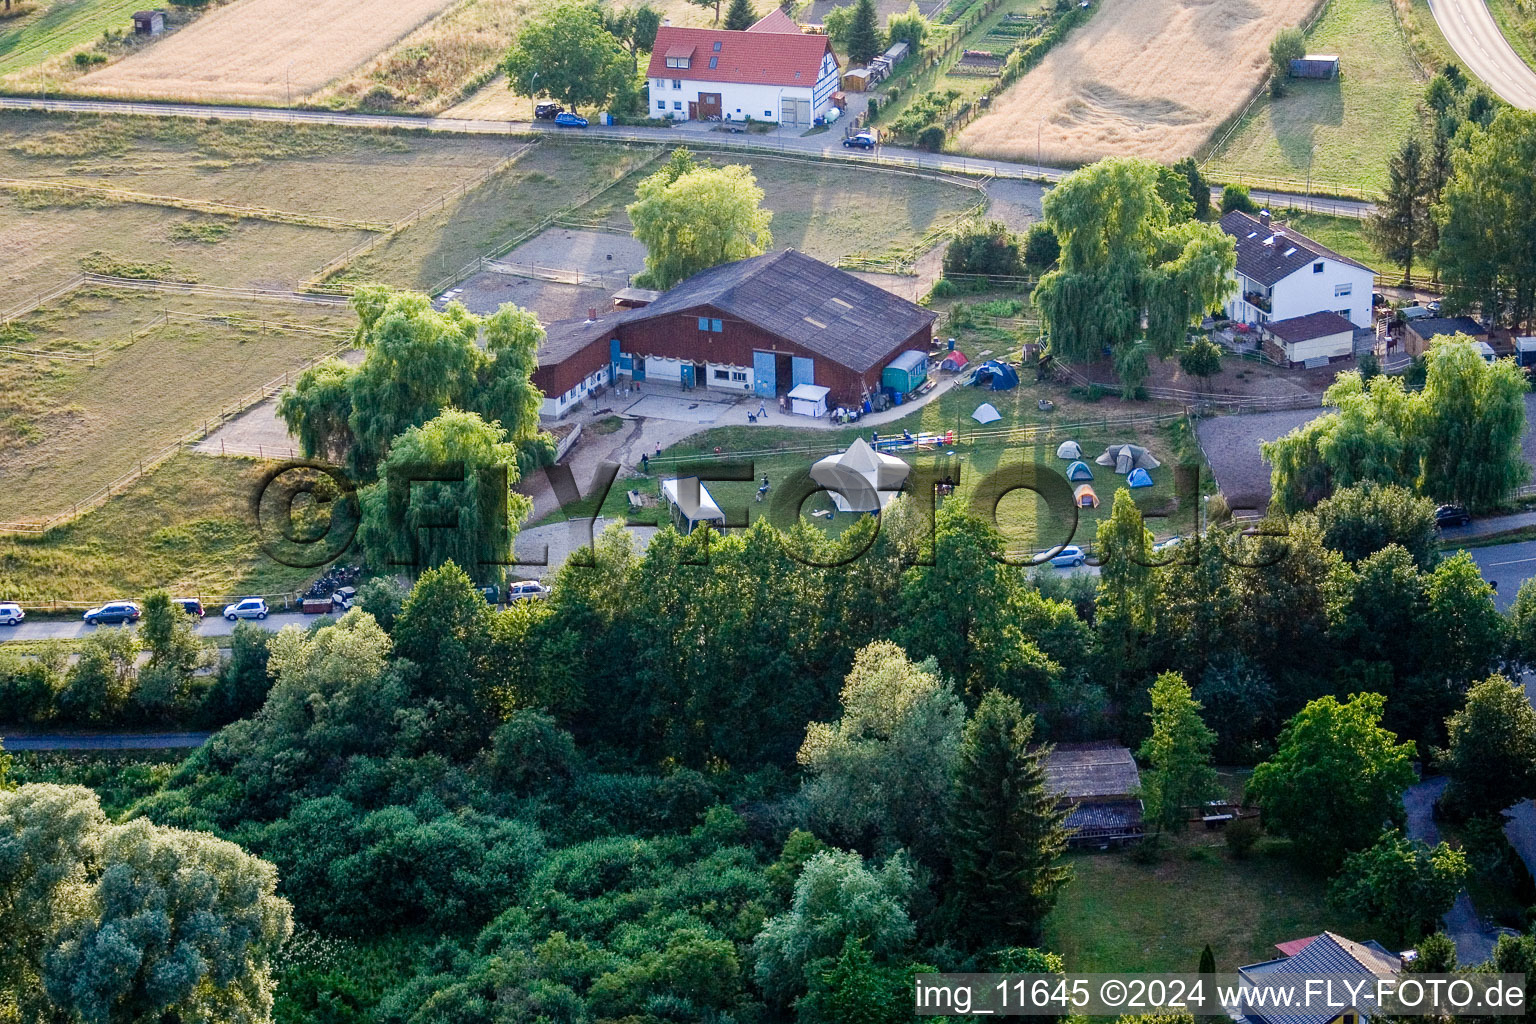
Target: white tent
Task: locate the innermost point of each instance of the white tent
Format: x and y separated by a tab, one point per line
1069	450
985	413
692	502
809	400
861	479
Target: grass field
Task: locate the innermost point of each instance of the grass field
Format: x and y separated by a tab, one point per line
58	26
277	166
261	51
1150	78
1118	915
69	425
187	526
551	176
824	209
1518	27
1345	129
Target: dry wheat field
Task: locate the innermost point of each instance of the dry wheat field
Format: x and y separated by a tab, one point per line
262	51
1149	78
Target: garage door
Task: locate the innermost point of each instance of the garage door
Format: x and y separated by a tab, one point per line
795	113
763	374
803	371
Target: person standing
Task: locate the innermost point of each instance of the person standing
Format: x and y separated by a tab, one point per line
645	463
762	408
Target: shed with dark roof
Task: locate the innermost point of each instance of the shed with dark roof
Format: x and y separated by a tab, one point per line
1419	334
1312	340
1102	784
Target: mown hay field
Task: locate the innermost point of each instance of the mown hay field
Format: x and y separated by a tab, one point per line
262	51
1148	78
46	29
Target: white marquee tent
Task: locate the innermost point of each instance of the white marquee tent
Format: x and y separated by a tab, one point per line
861	479
691	503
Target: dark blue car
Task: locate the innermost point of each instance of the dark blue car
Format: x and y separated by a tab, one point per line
863	140
570	120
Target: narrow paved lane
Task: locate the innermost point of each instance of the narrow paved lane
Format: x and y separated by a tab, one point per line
825	146
1469	27
1474	943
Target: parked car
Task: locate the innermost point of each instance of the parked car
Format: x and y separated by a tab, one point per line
190	605
547	111
1433	306
1451	515
1069	557
113	611
246	608
344	598
492	594
863	140
569	120
526	590
11	614
1164	545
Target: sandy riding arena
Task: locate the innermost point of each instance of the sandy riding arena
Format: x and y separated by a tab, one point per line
262	51
1150	78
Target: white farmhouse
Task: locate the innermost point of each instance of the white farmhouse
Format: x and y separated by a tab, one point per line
1283	275
769	72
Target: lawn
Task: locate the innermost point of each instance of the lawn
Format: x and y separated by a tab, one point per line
1344	235
826	210
1518	27
1023	435
69	424
1342	130
186	525
551	176
1118	915
58	26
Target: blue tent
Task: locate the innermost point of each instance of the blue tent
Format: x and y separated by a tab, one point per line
1079	471
999	376
1139	478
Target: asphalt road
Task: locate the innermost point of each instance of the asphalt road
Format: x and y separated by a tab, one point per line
826	146
1506	566
105	741
1474	35
212	625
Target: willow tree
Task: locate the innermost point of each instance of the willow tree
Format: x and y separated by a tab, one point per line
694	217
1131	278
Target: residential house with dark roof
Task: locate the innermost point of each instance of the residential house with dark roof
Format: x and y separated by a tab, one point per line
1323	955
1282	274
765	73
1102	784
757	326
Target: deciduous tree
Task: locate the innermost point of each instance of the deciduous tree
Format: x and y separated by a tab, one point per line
1124	262
698	219
1359	521
1404	885
1178	755
1491	756
565	53
1337	778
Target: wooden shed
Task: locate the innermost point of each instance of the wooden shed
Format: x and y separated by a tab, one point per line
148	23
1315	65
1101	783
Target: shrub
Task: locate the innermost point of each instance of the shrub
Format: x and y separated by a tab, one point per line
1242	835
1235	197
1041	247
874	108
983	248
931	138
943	288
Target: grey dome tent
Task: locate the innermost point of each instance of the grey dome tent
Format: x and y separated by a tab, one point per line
997	376
985	413
1069	450
1126	457
1079	471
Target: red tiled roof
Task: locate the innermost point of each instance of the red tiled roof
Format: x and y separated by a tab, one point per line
749	58
1294	946
774	21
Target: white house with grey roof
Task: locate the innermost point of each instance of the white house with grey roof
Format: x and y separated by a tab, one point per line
1283	275
1325	955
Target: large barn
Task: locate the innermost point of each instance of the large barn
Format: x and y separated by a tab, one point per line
758	326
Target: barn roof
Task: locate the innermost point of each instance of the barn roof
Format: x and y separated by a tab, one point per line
1091	771
802	300
774	21
1433	327
743	57
1269	253
1313	325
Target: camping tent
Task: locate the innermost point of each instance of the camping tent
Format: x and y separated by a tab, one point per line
906	373
985	413
1084	496
997	376
1126	457
1139	478
861	479
1069	450
954	361
809	400
1079	471
690	503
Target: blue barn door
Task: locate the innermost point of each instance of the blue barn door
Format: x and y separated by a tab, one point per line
764	381
639	373
803	371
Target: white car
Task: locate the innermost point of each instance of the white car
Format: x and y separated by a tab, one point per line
246	608
11	614
526	590
1164	545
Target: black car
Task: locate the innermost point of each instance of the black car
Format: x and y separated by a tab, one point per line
112	612
1451	515
190	605
547	111
863	140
